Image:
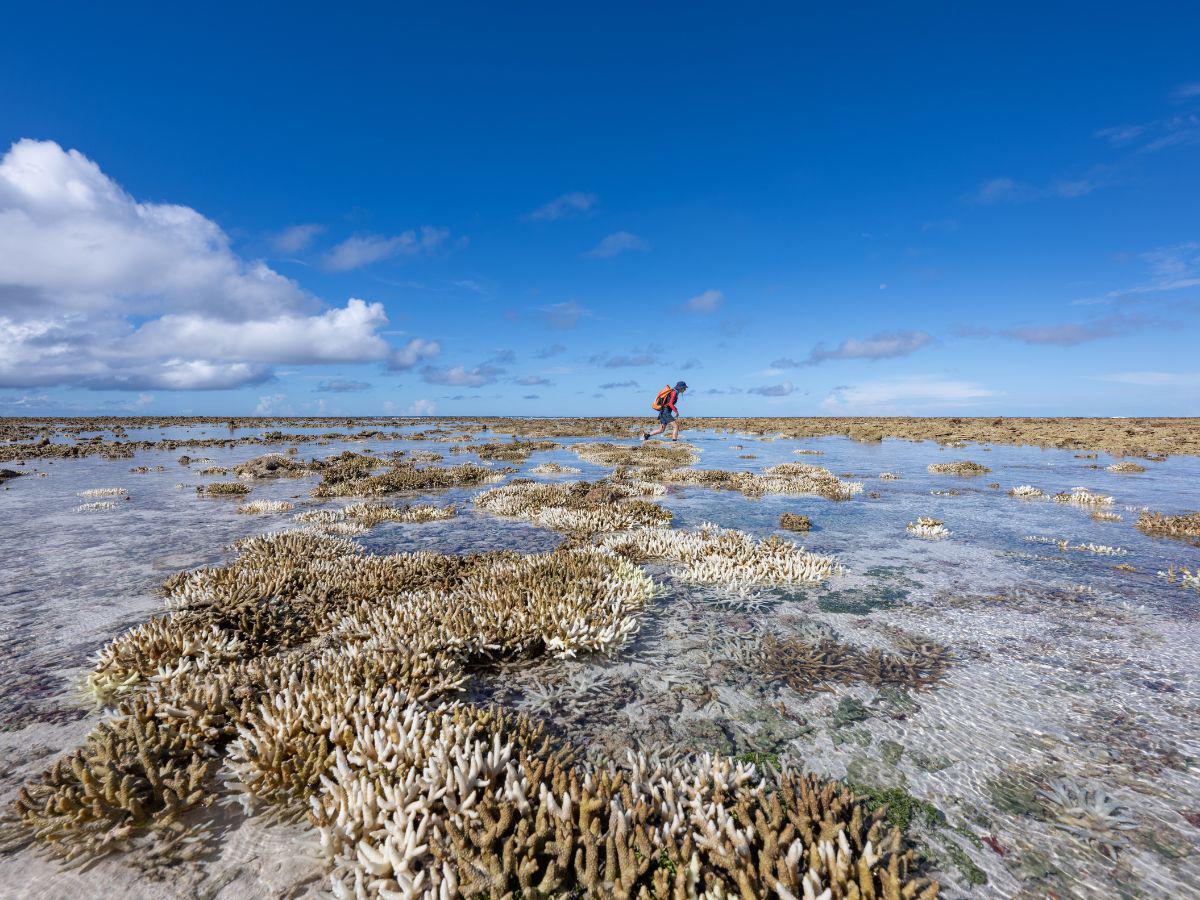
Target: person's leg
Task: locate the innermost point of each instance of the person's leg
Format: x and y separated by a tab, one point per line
675	429
649	434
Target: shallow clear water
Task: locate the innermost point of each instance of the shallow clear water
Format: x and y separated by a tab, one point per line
1060	753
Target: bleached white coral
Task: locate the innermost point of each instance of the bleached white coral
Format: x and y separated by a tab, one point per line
926	527
1083	497
714	555
265	507
1026	492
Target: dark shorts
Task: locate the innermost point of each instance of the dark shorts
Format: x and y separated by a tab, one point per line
665	416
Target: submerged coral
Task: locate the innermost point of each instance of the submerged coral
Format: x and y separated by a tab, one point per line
553	468
1089	812
1185	527
103	492
97	506
963	467
805	665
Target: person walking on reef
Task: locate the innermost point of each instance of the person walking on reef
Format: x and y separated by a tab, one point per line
667	413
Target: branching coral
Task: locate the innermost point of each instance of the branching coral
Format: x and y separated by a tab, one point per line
579	507
131	782
804	665
712	555
359	518
785	478
1026	492
223	489
1185	576
1083	497
1089	812
645	456
926	527
1185	527
265	507
514	451
964	468
888	476
348	479
283	648
795	522
552	468
96	506
1125	466
103	492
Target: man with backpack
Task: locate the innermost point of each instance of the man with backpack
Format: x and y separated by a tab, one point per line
667	413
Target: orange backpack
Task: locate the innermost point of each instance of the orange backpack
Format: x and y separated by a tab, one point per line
661	400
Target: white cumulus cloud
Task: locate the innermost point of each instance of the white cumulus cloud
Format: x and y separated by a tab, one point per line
100	290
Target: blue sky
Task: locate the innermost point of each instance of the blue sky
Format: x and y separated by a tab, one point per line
547	209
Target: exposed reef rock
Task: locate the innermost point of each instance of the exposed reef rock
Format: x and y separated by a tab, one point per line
223	489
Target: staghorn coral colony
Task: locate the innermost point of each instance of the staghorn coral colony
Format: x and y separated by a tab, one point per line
335	706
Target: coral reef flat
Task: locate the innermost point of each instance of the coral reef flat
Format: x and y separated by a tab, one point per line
253	658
